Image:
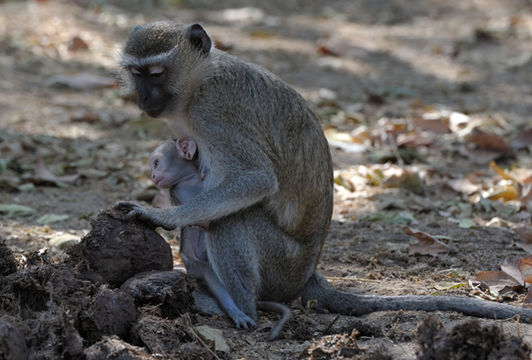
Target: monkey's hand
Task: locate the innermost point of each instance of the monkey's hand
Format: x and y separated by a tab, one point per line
156	217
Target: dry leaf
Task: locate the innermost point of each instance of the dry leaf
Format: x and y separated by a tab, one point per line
525	267
487	141
511	267
430	123
507	193
525	235
501	172
522	140
42	173
82	81
497	280
414	140
328	46
76	43
528	298
479	156
346	183
428	245
464	186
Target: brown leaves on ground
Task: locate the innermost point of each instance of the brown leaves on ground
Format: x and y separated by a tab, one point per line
428	245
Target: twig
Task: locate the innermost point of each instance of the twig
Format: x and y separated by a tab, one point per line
352	278
193	333
326	331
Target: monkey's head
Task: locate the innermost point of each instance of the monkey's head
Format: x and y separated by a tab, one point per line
160	63
173	160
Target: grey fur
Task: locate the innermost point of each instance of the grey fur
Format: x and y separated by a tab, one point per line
269	167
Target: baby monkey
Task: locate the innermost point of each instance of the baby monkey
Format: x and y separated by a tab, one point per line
174	165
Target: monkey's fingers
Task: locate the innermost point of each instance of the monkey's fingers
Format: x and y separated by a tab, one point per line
126	206
244	322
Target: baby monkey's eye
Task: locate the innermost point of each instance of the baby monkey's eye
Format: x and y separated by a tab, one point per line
156	163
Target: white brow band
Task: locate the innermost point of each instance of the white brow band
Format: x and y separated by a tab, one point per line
130	60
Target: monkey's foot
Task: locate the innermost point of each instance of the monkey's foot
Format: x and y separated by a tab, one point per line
241	320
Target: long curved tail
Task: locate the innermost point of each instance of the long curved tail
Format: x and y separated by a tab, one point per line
343	302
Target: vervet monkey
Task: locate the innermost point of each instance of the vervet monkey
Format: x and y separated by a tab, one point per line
174	166
268	192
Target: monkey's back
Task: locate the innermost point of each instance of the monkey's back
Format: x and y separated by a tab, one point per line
259	111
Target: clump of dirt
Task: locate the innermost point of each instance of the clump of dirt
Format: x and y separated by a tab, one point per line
117	249
8	263
468	340
113	348
344	346
171	289
55	310
110	312
12	344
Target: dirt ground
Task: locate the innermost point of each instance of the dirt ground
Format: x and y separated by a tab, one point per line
371	70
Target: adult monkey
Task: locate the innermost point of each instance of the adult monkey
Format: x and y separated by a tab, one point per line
269	186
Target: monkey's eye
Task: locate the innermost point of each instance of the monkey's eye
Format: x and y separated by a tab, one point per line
155	163
135	71
156	71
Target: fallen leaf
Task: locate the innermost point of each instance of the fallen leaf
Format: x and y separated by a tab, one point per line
501	172
522	140
346	183
448	285
343	141
210	334
467	223
487	141
329	46
525	267
525	235
76	43
525	192
84	115
464	186
479	156
63	241
511	267
498	280
42	173
428	245
506	193
82	81
407	180
3	165
528	298
404	218
414	140
51	218
459	123
436	124
15	210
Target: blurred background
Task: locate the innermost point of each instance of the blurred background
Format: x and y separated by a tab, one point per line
427	105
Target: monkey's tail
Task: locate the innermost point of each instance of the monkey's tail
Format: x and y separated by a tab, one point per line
343	302
285	312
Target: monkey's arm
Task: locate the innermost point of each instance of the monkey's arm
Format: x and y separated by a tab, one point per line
234	193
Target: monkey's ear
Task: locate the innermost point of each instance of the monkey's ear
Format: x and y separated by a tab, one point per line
199	38
186	147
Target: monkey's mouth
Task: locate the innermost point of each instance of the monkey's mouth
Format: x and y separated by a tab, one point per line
154	111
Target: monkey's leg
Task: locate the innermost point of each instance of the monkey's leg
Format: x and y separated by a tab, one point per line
241	320
342	302
231	253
